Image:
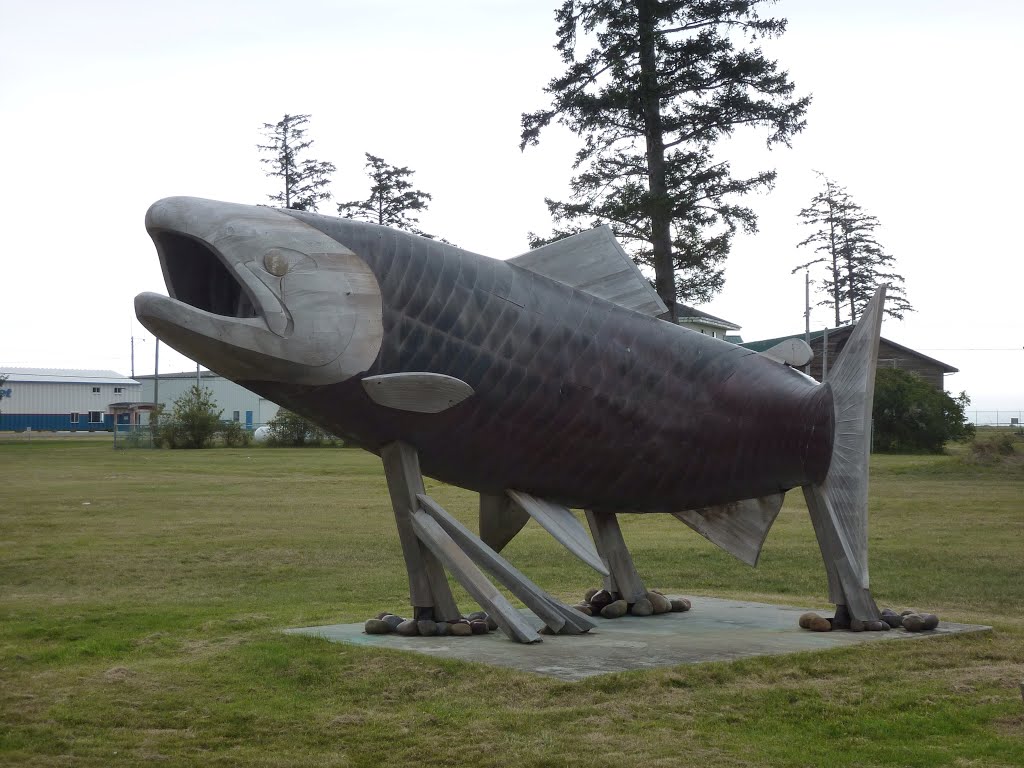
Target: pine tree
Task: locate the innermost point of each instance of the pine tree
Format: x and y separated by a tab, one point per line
854	262
663	84
392	201
304	180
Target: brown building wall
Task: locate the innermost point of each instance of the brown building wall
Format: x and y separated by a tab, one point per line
888	357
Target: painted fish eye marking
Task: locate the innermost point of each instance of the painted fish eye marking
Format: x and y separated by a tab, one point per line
275	262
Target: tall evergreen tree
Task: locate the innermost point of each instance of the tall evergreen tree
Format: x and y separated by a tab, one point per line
304	180
663	84
854	263
392	201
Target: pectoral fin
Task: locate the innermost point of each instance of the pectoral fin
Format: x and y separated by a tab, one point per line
420	392
739	528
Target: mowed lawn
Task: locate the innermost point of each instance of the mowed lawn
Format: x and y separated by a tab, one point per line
143	594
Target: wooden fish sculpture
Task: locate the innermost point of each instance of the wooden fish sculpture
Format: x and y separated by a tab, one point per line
544	382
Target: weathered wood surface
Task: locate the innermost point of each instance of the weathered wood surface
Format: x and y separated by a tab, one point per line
739	528
428	585
844	581
794	352
419	392
595	262
555	614
560	522
500	520
511	622
605	528
852	380
285	266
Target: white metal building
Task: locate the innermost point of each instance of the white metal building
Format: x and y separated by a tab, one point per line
64	399
236	402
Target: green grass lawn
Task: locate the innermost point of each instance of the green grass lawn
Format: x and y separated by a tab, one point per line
142	594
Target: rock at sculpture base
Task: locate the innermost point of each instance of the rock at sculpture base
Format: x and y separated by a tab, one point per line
615	609
659	602
376	627
642	607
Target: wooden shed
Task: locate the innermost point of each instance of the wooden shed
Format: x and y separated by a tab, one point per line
890	355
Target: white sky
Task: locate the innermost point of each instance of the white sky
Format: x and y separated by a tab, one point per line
108	106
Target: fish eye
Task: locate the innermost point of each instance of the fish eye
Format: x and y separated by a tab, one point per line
275	262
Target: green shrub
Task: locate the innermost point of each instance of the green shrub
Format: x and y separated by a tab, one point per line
993	448
912	416
194	420
234	434
290	429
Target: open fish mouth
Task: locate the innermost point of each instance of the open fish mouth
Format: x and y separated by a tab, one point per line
197	275
254	293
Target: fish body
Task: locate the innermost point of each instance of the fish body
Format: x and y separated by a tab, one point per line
575	399
545	380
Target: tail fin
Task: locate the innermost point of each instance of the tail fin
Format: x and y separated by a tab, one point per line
839	505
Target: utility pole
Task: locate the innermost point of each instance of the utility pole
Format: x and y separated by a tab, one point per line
156	376
807	315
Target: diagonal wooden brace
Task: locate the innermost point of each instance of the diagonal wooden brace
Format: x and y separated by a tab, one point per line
558	616
430	532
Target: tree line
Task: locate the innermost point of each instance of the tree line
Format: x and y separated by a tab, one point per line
392	200
652	88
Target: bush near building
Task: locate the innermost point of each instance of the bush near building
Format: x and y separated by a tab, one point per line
290	429
912	416
193	422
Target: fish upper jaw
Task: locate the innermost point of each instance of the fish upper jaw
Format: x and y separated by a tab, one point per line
257	294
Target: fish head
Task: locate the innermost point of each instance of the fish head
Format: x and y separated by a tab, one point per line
256	294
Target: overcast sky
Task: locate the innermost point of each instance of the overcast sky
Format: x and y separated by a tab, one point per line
108	106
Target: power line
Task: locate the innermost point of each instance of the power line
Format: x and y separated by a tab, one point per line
969	349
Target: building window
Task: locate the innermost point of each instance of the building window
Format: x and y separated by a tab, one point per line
95	390
74	417
234	416
118	390
95	417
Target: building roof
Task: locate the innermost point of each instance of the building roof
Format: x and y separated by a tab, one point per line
686	313
65	376
763	344
182	375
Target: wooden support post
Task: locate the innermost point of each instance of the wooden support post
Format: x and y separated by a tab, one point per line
428	585
430	532
558	616
608	536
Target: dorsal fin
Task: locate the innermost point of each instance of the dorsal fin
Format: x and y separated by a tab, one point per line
594	262
739	528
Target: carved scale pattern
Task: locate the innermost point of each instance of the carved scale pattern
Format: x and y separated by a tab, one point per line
577	400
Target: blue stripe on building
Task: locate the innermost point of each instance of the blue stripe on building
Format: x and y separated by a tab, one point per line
61	422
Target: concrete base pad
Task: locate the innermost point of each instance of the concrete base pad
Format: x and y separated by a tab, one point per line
715	630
